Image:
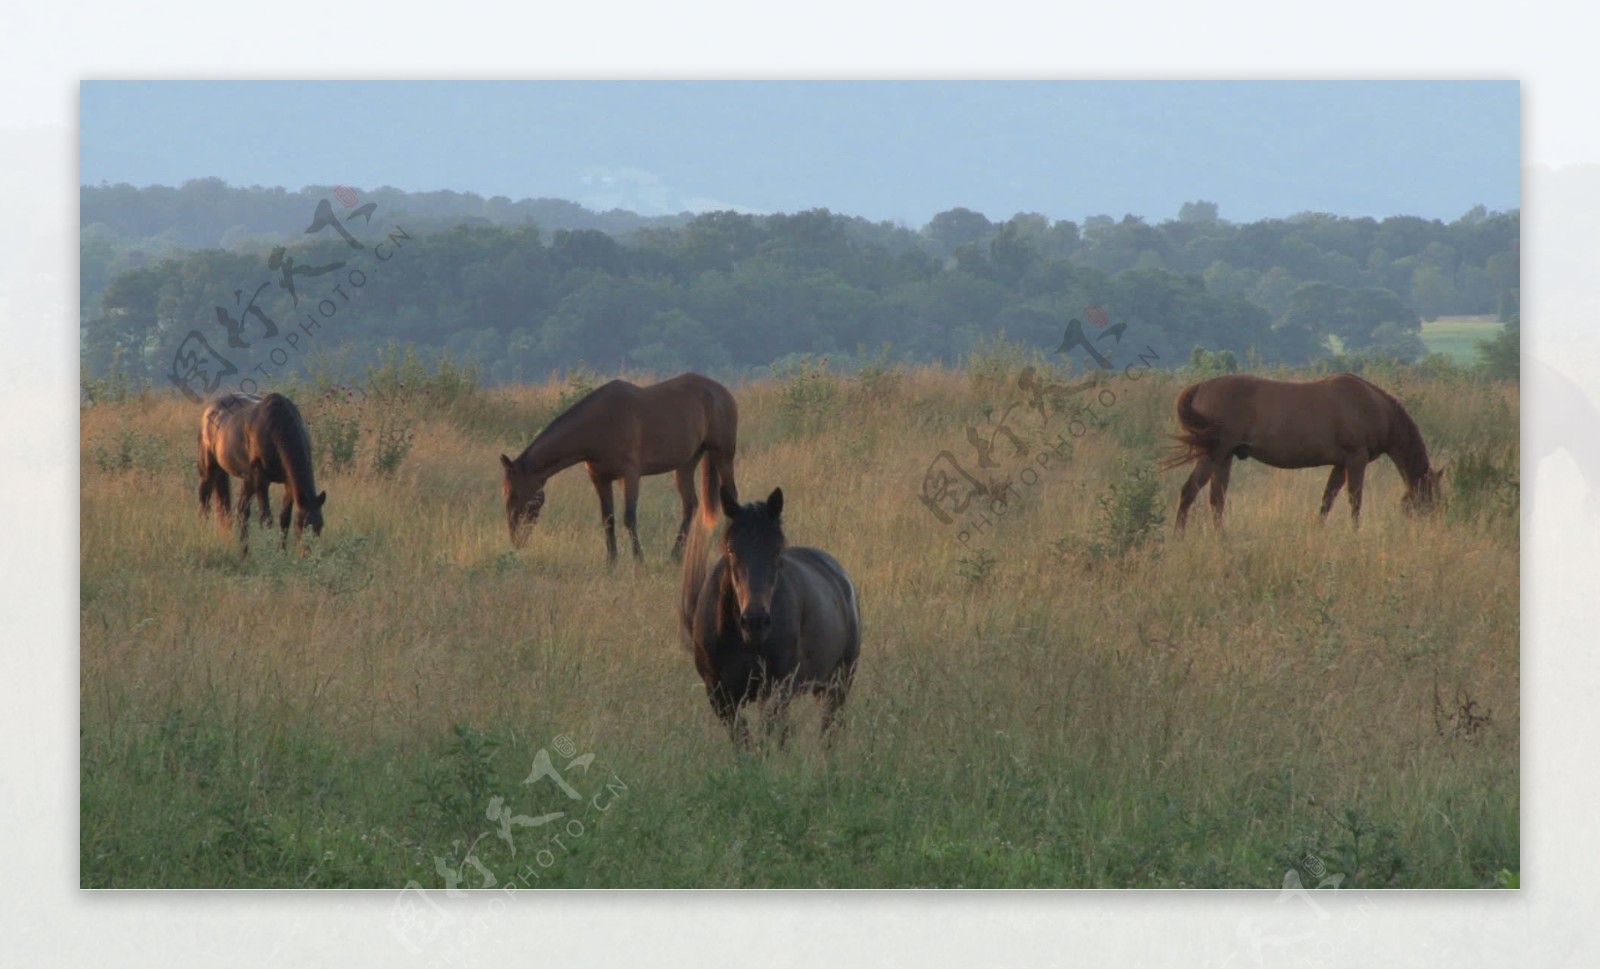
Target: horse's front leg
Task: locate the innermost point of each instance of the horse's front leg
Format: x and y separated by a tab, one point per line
284	516
727	708
1355	473
1335	482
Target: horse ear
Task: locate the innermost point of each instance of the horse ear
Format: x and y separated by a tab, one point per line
505	462
322	498
730	504
775	503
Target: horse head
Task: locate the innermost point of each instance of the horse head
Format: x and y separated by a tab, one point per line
1422	496
753	547
312	516
524	495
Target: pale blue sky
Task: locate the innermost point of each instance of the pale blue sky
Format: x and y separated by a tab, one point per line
884	150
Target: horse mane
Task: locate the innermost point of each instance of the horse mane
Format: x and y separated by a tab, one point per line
287	430
1406	446
565	418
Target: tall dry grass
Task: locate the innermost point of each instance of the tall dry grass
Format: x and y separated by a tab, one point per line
1203	711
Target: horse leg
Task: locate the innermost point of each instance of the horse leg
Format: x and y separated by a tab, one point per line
608	514
833	699
1356	472
728	711
265	492
1191	488
630	511
778	714
246	495
685	479
1219	485
283	521
1335	482
222	487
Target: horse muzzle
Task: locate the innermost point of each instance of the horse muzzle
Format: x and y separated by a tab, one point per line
754	625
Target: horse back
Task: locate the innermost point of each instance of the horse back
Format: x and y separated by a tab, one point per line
1294	424
223	439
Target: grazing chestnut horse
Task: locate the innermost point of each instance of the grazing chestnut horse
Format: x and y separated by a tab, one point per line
767	619
261	440
624	431
1344	421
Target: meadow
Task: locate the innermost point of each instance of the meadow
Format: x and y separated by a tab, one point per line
1459	336
1071	697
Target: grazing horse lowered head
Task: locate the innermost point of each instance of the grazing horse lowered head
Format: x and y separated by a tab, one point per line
1344	421
767	619
261	440
620	430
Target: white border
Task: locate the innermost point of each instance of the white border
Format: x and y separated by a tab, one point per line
47	920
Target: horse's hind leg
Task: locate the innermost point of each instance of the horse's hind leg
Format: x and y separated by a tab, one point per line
685	479
608	514
1191	488
1335	482
1219	486
833	699
245	496
630	511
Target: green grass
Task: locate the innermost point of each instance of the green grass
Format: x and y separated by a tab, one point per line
1459	336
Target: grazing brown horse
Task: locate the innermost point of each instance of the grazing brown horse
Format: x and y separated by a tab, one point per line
261	440
767	619
624	431
1343	421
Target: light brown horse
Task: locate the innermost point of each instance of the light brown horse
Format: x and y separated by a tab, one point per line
621	430
261	440
1344	421
767	619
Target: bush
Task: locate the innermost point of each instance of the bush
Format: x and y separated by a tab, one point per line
1130	511
810	395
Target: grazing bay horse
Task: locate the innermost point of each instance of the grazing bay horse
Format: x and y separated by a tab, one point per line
620	430
261	440
767	619
1344	421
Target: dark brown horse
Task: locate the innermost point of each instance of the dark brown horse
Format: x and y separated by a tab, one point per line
1343	421
624	431
767	619
261	440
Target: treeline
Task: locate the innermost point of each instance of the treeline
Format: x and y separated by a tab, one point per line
526	288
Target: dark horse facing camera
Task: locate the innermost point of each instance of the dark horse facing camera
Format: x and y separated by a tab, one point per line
767	619
262	440
622	431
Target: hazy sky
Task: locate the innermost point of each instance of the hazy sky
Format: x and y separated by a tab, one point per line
884	150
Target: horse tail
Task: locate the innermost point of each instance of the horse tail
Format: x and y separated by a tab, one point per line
694	577
710	491
1196	436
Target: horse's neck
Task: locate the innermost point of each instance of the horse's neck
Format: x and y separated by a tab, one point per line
295	456
554	449
1411	457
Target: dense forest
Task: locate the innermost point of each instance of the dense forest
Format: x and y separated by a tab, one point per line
264	281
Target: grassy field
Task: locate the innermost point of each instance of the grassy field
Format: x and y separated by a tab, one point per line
1071	698
1459	336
